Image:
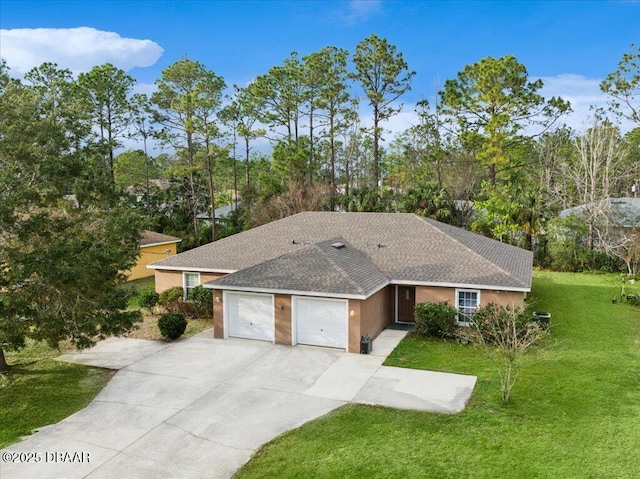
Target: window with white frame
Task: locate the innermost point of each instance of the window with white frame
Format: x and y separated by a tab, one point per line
190	281
467	302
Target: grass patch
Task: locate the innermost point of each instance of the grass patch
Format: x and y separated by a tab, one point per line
39	390
575	412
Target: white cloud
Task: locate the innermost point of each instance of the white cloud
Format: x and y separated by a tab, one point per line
584	94
78	49
360	10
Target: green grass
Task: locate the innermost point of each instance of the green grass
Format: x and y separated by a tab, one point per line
38	391
575	412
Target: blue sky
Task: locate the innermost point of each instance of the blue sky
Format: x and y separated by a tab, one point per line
571	45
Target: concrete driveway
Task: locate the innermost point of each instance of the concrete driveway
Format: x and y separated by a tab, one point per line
200	407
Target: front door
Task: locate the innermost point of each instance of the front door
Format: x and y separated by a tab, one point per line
406	296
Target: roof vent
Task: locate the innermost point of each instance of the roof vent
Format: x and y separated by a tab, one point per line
337	245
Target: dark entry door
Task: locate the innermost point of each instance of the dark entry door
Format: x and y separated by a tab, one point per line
406	303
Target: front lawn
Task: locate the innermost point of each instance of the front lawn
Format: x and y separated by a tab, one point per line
39	390
575	412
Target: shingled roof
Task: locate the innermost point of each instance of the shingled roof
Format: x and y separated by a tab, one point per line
149	238
333	267
404	248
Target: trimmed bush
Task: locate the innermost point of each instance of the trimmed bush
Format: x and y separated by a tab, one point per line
435	319
493	322
203	299
172	299
172	325
147	299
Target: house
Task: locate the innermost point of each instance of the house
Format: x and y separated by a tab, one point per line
329	278
153	246
221	215
622	212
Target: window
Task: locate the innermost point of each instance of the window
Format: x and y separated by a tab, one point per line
467	302
189	281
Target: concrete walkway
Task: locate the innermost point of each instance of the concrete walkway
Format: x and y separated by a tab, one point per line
200	407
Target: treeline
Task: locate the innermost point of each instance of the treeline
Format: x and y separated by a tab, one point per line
492	154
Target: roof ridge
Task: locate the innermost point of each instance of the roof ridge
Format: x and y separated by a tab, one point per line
502	270
337	266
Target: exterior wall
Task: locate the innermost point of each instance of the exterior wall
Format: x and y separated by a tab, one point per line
503	298
355	310
166	279
283	319
148	255
435	294
377	312
218	319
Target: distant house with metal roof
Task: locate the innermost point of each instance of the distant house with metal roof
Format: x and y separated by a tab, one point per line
623	212
328	278
221	215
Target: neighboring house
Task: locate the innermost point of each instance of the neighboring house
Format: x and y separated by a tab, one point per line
624	212
153	246
221	215
327	279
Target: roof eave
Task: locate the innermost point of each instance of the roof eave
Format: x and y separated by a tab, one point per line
442	284
321	294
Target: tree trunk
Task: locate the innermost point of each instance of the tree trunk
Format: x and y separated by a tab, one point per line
492	174
246	163
3	361
376	151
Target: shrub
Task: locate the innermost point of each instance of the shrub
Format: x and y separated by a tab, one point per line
172	299
203	299
435	319
506	334
147	299
172	325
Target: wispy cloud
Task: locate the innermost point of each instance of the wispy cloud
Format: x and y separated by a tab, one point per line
358	11
78	49
584	94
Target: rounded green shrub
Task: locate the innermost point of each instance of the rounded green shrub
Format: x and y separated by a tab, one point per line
148	298
203	299
172	325
435	319
172	299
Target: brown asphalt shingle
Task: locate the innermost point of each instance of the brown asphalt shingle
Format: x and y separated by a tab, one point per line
404	247
151	237
314	268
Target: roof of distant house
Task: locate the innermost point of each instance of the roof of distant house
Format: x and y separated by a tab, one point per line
150	238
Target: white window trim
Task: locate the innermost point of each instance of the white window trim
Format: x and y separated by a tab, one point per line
184	283
458	291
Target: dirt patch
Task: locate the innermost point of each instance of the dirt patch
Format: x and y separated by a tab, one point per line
148	328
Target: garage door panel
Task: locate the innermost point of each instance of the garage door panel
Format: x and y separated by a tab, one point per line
321	322
250	316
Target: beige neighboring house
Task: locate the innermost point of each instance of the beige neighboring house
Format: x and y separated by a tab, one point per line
328	278
153	246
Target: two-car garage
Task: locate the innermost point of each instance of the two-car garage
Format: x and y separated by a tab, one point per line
312	321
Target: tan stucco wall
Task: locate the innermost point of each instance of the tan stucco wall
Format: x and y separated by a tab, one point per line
218	319
282	304
433	294
503	298
148	255
355	314
166	279
376	312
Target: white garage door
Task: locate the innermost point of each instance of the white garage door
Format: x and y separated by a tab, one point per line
321	322
249	316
